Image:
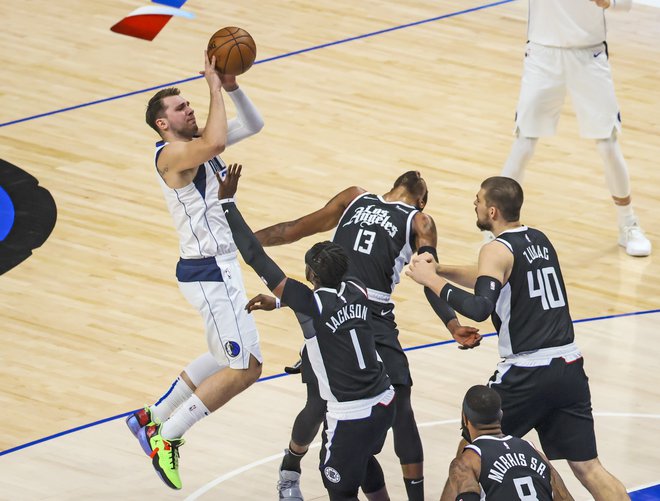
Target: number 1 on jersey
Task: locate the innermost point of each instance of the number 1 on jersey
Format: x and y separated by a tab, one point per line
358	350
364	241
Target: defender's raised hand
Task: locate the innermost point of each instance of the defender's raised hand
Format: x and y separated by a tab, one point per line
229	184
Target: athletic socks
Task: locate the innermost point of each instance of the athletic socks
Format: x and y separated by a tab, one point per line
414	488
291	461
178	393
191	411
626	215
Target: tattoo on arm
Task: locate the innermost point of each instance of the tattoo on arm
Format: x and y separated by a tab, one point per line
276	234
462	476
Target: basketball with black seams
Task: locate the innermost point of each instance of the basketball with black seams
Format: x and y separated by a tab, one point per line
234	50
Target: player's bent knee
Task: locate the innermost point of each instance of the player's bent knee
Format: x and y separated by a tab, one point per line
583	469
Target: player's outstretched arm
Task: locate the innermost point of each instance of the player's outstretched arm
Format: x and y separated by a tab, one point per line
426	240
249	247
321	220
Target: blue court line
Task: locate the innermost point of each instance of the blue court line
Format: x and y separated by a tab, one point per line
276	376
651	493
274	58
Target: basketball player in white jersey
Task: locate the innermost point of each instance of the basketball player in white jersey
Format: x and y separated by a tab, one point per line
567	50
541	378
208	273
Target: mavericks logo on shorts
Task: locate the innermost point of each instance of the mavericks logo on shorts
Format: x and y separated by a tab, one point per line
332	475
232	348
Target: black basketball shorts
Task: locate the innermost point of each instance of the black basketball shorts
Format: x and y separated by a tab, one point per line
556	401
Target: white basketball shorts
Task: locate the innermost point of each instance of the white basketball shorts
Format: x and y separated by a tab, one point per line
214	286
548	73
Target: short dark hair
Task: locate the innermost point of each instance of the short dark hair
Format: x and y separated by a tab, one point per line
505	194
155	108
414	184
329	261
482	405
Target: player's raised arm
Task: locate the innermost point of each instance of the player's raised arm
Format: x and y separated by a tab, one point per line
318	221
184	150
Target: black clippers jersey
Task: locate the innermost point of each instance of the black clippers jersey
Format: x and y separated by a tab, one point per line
511	469
532	310
377	237
340	343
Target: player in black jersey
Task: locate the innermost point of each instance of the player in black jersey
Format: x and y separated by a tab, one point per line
380	234
339	337
495	466
541	378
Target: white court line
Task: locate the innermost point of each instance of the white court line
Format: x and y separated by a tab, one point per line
652	3
205	488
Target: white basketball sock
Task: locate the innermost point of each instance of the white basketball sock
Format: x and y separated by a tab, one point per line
182	420
521	153
178	393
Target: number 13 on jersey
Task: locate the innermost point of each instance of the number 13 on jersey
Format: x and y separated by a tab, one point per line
364	241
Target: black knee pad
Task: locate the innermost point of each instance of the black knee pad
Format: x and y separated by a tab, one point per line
407	442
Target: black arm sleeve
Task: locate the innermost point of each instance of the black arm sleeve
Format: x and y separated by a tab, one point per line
477	306
252	251
439	305
300	298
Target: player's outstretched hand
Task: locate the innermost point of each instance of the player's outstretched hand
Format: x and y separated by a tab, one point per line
229	184
210	73
421	270
467	337
261	302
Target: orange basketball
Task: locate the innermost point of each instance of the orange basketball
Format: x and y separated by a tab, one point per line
234	50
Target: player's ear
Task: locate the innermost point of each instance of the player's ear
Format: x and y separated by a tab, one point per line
161	123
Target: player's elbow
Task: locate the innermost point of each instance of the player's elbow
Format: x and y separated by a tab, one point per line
217	146
257	124
477	308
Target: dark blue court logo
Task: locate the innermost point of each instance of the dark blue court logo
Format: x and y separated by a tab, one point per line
27	215
232	348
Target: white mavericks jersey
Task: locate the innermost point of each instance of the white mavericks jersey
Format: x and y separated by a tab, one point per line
568	23
198	216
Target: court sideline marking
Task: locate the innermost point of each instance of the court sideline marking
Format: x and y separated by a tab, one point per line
274	58
275	376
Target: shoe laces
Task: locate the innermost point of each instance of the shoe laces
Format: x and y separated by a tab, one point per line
633	232
173	451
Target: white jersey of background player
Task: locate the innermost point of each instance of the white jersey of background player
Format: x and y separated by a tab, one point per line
567	51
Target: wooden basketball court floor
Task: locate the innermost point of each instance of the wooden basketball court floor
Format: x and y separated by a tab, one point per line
352	93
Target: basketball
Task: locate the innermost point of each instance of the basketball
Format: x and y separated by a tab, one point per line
234	50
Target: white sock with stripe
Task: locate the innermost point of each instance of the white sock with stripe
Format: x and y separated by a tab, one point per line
176	395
